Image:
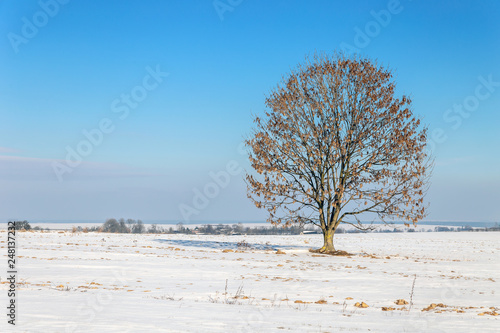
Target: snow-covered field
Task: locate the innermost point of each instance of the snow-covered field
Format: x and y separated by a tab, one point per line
91	282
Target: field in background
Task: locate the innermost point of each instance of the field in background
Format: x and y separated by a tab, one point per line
80	282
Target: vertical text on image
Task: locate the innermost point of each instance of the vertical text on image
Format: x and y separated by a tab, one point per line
11	272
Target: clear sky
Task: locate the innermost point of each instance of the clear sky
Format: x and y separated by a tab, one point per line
129	108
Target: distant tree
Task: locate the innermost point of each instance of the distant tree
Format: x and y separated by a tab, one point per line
209	229
238	228
153	229
123	227
337	144
111	225
22	225
130	223
138	228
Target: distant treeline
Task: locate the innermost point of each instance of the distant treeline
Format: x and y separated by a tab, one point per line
240	229
121	226
138	227
131	226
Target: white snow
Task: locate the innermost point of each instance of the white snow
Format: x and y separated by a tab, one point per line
97	282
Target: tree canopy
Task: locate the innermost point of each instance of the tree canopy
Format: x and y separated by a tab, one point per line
337	144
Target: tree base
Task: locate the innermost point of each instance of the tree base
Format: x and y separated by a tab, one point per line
331	252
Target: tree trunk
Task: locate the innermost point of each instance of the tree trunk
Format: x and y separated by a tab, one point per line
328	242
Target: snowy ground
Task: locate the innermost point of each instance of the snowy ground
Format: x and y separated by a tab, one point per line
177	283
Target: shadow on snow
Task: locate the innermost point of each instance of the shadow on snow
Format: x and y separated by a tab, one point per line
229	245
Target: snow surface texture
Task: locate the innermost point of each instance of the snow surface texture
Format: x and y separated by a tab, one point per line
97	282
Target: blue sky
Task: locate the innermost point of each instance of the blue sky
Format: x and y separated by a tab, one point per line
68	66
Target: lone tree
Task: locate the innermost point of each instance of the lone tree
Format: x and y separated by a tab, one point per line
336	143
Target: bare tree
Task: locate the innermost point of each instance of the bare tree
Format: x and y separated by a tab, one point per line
111	225
335	144
138	228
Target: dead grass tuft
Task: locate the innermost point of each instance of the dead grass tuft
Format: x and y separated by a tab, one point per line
361	305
